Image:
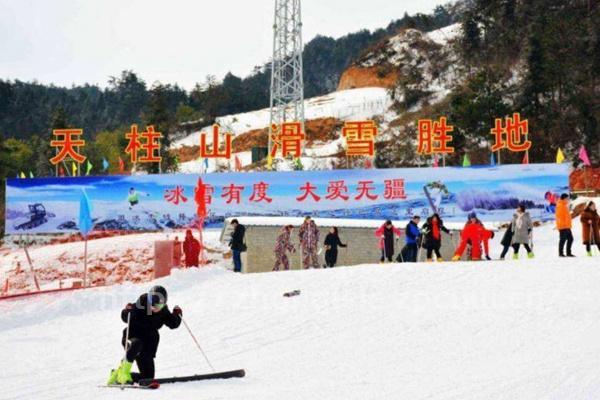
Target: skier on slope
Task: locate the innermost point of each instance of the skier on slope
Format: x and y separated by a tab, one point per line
386	233
506	241
145	318
522	226
413	237
471	234
432	230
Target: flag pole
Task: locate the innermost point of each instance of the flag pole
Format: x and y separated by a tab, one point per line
85	261
35	280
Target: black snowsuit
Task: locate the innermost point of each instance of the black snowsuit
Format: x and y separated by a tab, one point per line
144	336
333	241
506	241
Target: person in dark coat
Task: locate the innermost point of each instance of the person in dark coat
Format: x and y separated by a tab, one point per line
149	313
506	241
386	233
237	244
332	241
590	226
433	229
413	236
191	249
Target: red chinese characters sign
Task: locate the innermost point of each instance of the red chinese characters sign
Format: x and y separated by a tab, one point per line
434	137
360	138
148	143
214	151
67	143
232	194
289	138
511	134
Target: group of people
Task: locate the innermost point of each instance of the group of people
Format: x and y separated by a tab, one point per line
590	227
474	237
309	243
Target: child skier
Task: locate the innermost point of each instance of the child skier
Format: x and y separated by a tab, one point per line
590	224
141	337
332	241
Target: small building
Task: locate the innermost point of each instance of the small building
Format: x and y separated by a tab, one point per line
359	235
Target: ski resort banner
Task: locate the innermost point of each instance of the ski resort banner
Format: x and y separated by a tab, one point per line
163	202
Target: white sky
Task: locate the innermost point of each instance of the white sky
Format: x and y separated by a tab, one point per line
178	41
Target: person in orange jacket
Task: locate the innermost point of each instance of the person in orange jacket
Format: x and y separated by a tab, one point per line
471	234
564	224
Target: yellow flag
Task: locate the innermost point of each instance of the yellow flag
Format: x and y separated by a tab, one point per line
269	162
74	169
23	175
560	157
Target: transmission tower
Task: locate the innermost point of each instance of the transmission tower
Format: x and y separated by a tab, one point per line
287	83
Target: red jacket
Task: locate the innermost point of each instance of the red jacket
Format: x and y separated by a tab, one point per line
379	233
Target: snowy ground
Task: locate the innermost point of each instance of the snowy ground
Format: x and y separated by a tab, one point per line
495	330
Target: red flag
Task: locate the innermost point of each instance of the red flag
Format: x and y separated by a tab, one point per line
61	171
238	164
526	158
200	198
368	163
121	165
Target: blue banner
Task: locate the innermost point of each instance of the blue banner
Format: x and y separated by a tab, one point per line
162	202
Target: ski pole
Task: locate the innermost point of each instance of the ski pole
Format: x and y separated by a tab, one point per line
197	344
127	335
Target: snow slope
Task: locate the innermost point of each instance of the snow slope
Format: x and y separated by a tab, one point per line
496	330
352	104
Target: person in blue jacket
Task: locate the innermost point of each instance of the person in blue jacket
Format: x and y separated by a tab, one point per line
413	235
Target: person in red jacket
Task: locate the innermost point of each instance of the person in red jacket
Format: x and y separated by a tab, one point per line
486	236
386	234
471	234
191	249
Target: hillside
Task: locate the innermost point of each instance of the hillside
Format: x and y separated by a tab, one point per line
490	330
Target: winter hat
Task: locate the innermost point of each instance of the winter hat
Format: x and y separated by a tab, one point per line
157	295
472	215
564	196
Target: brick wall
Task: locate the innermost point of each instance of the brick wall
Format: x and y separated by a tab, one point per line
362	247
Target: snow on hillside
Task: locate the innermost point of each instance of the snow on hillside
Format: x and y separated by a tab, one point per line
110	260
523	329
352	104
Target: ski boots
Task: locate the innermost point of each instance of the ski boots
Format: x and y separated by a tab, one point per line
112	379
439	259
456	258
589	254
530	255
124	373
515	256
